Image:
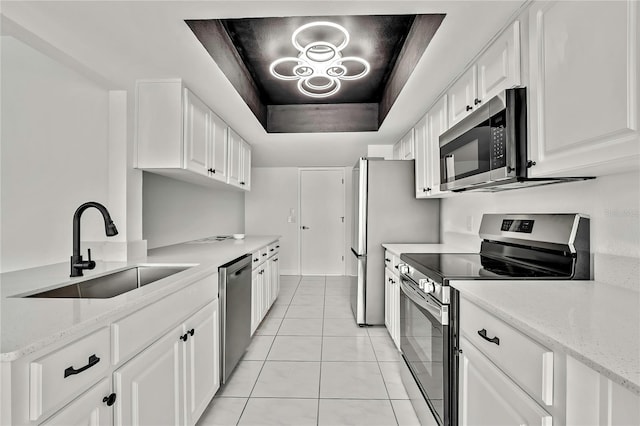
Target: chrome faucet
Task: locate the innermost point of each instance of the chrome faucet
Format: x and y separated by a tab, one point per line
77	264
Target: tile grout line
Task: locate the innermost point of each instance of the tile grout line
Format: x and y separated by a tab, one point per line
324	299
263	364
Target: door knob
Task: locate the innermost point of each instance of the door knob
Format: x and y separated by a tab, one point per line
304	227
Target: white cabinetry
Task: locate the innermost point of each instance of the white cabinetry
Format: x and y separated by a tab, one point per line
427	148
90	409
392	297
497	68
178	135
488	397
149	387
583	97
265	282
504	376
593	399
239	161
404	148
173	380
163	359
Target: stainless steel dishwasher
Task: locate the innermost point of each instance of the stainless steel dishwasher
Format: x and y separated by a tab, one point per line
234	281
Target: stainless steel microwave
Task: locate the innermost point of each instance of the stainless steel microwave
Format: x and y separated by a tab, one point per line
487	150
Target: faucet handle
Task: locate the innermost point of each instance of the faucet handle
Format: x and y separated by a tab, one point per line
90	263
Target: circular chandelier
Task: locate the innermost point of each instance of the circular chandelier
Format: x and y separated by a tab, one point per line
320	66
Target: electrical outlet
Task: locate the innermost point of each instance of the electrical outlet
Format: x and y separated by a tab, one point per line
469	223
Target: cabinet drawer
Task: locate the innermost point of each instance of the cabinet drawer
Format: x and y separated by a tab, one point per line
273	248
524	360
57	376
89	408
256	258
133	333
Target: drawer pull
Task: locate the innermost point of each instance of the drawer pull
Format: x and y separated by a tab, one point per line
184	337
277	246
272	250
387	260
70	371
192	331
109	400
483	333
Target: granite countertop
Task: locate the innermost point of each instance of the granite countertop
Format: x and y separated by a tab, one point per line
595	323
29	324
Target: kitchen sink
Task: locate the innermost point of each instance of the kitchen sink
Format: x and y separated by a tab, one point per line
113	284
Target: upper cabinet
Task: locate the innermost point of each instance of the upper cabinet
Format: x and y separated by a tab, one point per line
179	136
239	165
404	148
583	93
498	68
427	147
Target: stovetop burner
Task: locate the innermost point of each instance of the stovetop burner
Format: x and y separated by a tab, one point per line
476	266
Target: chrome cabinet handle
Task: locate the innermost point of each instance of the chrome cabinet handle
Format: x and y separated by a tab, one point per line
483	333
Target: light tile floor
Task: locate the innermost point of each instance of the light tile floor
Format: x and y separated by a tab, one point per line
310	364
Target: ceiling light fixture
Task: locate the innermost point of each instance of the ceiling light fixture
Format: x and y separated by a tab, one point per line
320	66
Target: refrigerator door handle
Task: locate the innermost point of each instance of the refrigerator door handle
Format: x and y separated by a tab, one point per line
358	256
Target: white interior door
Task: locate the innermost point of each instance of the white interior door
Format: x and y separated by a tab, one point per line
322	221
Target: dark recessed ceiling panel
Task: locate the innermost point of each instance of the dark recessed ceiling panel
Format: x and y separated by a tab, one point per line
377	39
390	46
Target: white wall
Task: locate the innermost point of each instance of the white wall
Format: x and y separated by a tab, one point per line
274	191
174	211
612	202
54	156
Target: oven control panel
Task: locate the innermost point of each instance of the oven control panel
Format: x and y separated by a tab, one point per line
513	225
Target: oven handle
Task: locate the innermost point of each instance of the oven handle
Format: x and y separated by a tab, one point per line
440	312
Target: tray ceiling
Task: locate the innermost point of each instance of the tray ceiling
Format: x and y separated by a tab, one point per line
245	48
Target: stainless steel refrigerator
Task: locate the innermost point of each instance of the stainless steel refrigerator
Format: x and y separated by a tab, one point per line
385	210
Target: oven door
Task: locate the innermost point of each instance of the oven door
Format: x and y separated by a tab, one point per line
425	344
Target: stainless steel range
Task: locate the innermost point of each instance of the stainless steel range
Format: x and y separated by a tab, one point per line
514	247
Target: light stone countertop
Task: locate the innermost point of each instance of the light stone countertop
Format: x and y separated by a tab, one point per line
29	324
595	323
398	249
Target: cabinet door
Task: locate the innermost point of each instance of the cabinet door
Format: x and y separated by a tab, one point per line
245	175
149	388
395	310
218	148
437	124
234	165
197	134
407	146
388	303
488	397
255	299
461	96
397	148
88	409
583	98
202	360
421	164
499	65
275	277
266	288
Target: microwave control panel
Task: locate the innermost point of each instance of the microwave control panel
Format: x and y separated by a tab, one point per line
498	135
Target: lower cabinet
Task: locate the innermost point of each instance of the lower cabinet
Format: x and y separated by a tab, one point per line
149	387
489	397
265	282
392	300
174	379
92	408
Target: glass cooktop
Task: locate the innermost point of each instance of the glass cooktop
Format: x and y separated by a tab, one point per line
473	266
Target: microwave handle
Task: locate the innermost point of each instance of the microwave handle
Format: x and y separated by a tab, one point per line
449	168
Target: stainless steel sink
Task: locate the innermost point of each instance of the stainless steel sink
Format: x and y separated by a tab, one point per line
113	284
